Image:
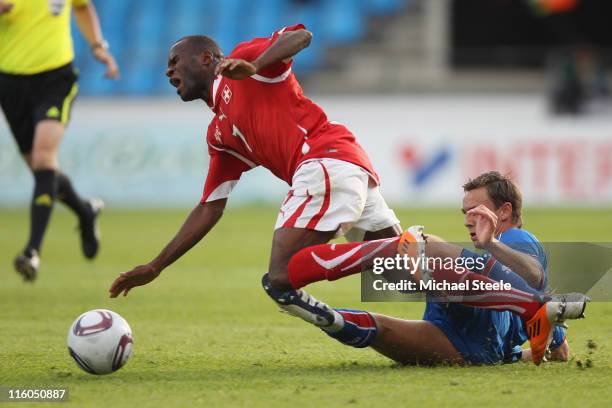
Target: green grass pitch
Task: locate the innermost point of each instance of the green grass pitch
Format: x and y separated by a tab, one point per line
206	335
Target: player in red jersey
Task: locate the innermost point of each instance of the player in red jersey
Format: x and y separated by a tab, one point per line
263	118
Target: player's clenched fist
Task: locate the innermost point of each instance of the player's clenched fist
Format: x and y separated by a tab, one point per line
235	68
140	275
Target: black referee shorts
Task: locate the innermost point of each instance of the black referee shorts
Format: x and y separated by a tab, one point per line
28	99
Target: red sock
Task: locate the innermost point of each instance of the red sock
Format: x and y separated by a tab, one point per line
513	300
335	261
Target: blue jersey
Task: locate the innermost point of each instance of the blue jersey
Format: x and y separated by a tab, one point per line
485	336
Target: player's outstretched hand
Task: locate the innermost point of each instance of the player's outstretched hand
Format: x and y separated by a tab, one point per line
486	224
5	7
235	68
140	275
105	57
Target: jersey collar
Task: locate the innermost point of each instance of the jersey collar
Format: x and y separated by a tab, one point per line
215	91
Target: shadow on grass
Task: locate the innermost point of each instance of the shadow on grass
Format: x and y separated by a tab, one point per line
261	372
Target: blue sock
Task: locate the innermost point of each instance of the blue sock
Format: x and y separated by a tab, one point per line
359	328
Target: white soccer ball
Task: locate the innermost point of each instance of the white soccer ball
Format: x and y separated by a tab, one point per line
100	341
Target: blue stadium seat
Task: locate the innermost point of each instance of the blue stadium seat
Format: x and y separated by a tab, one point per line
228	22
383	6
344	20
310	15
146	52
264	17
186	17
140	33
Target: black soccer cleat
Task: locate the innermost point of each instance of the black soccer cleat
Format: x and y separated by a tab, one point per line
90	234
300	304
27	264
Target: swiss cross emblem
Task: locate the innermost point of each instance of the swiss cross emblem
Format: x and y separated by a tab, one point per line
227	94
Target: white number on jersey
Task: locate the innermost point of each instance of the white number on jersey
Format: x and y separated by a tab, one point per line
236	132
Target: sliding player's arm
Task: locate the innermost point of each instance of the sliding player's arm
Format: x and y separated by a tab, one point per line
285	46
89	26
199	222
523	264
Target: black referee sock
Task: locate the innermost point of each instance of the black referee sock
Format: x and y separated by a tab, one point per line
67	195
42	205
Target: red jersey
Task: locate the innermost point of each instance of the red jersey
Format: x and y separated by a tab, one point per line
265	120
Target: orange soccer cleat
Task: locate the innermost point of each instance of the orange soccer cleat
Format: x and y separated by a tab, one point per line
540	332
553	313
412	245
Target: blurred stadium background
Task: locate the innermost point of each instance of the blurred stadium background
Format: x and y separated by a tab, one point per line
436	90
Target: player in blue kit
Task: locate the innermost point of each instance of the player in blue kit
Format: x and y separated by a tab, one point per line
482	334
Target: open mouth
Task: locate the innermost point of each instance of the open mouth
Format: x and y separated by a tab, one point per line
473	236
175	82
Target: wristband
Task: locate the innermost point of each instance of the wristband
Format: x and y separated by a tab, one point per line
101	44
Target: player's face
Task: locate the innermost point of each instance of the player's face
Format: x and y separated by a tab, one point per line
187	74
473	199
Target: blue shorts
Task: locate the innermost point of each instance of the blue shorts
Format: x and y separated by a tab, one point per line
482	336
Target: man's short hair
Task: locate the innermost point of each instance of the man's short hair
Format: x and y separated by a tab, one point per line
197	44
501	189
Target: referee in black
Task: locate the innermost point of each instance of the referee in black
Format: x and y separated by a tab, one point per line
38	84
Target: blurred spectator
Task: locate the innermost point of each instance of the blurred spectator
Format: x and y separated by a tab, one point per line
573	62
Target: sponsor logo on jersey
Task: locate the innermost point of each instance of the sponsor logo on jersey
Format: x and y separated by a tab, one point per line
218	134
